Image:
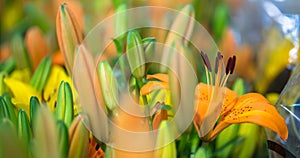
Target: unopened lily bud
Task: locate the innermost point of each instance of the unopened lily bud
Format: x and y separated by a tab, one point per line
36	52
64	105
45	130
63	138
167	147
19	53
79	139
34	105
183	25
24	130
7	109
182	28
149	44
135	54
108	84
41	74
68	34
120	26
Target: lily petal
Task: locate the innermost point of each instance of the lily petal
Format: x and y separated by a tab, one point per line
254	108
21	93
36	51
69	34
161	77
152	86
159	117
209	106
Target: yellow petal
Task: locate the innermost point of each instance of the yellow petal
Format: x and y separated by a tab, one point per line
21	93
22	75
152	86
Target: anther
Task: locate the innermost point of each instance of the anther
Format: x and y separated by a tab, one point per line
228	66
233	64
206	60
216	65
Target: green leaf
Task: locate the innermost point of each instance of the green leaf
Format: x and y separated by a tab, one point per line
239	86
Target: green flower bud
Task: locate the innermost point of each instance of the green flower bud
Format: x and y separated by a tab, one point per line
19	53
33	108
45	133
63	138
135	54
6	109
24	130
108	84
120	24
166	147
41	74
79	139
68	34
64	105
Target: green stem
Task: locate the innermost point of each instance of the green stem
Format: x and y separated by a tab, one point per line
145	102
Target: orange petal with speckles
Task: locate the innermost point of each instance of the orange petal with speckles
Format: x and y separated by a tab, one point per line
254	108
202	100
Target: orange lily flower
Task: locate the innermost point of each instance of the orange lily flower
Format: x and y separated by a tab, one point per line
217	107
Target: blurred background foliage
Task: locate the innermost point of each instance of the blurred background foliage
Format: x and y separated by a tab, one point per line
239	27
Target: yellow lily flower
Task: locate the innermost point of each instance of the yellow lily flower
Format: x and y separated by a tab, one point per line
21	93
217	107
249	108
22	90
